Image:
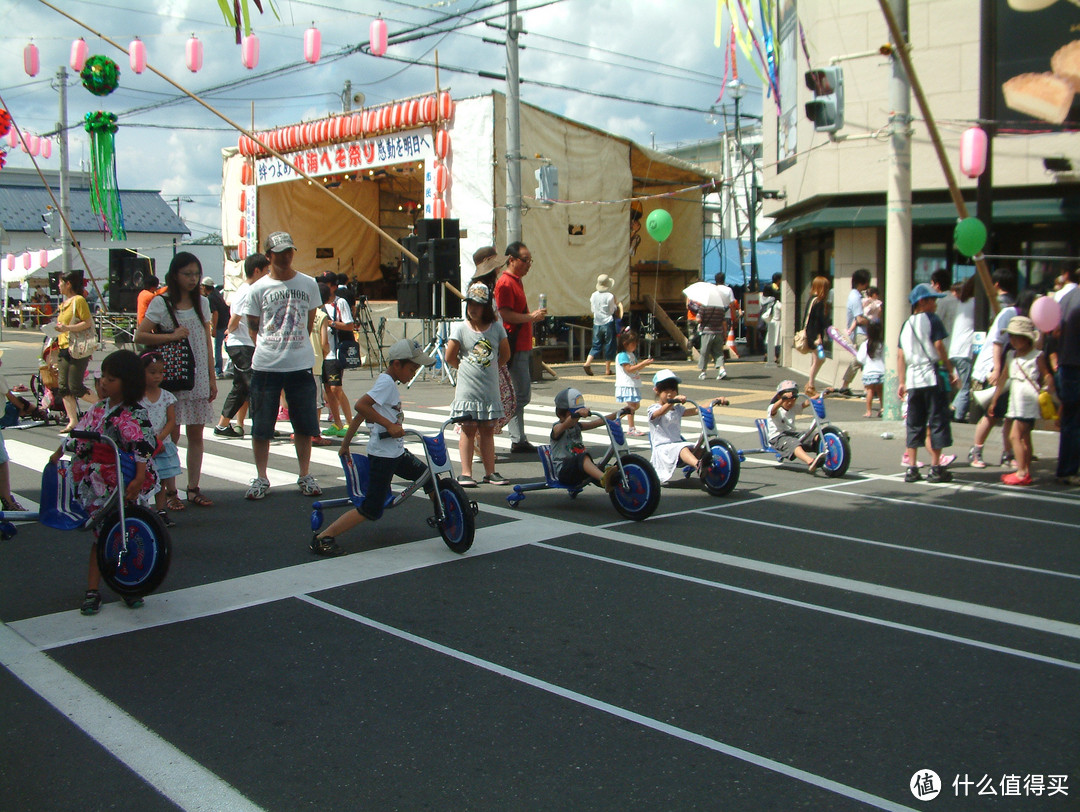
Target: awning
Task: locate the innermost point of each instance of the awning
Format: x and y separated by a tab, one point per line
1031	210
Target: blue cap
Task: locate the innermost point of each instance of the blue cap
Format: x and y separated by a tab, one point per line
923	291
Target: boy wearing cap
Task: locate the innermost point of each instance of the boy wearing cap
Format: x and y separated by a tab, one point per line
669	449
381	409
922	347
280	311
604	309
570	463
783	435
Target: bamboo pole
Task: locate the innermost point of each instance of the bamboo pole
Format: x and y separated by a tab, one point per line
903	51
241	129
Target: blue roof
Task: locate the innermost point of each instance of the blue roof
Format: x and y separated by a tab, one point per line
23	199
723	255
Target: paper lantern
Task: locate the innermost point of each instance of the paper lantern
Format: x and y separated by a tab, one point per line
79	51
312	45
46	148
193	52
441	178
241	249
11	262
246	173
378	37
427	109
399	115
26	261
973	144
137	55
442	143
438	208
13	138
412	112
446	106
34	145
31	59
357	124
243	199
294	137
249	52
43	258
243	225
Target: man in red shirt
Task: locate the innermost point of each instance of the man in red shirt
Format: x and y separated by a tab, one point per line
518	319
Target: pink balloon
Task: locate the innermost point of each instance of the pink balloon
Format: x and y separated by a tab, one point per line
1046	313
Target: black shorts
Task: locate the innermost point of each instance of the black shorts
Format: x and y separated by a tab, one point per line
331	373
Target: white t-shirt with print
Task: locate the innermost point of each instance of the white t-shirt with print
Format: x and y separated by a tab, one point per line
984	364
282	307
388	404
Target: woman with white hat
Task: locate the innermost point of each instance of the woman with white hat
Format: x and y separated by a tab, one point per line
604	307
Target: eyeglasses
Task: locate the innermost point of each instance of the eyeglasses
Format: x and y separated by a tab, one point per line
525	260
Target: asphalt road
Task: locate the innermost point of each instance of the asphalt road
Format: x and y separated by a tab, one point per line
804	642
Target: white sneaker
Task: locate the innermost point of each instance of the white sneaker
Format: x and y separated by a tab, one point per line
721	374
701	377
308	485
258	489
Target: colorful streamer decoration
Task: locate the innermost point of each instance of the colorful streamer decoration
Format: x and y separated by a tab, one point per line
756	38
104	191
100	75
239	15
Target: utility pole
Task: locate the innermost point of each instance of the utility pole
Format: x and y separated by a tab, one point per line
513	126
65	181
898	214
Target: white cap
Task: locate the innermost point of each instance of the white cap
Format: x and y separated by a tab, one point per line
408	350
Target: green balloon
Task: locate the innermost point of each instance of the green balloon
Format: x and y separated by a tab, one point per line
969	237
658	224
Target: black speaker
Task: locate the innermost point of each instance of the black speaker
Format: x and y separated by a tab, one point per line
437	230
441	261
410	271
127	272
426	300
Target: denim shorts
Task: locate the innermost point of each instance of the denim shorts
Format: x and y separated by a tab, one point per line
381	471
301	397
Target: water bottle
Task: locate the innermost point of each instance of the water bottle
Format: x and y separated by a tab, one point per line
886	435
820	350
543	301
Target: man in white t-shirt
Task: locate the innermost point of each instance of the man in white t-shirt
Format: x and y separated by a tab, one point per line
340	324
240	347
280	311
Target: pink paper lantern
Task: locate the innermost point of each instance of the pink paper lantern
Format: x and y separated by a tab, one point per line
378	37
79	52
442	143
249	52
312	45
46	148
194	53
10	261
43	258
13	138
34	144
31	59
26	261
973	147
137	55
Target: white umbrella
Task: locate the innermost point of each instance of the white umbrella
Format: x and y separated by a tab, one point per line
705	294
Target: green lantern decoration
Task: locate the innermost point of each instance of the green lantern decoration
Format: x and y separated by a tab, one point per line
969	237
100	75
104	194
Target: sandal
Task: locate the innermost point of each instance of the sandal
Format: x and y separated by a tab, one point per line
195	496
467	482
173	503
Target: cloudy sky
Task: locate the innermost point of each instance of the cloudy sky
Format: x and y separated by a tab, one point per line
643	69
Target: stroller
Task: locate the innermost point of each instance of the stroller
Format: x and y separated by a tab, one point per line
43	386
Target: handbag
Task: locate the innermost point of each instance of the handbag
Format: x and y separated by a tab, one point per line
178	358
348	354
1047	407
82	345
799	341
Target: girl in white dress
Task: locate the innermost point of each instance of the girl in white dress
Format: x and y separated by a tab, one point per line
669	449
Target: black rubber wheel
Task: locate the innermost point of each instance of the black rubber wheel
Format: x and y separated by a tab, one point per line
837	451
721	477
458	524
149	549
639	497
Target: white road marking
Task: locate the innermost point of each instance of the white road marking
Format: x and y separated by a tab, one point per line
621	713
163	766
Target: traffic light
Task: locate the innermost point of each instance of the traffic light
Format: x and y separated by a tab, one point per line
826	110
547	178
50	223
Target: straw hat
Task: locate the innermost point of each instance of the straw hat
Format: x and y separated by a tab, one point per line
604	282
492	263
1022	326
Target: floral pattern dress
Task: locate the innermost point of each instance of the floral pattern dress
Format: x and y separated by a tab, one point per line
93	467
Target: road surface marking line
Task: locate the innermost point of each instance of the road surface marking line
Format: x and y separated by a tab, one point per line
938	506
163	766
753	593
621	713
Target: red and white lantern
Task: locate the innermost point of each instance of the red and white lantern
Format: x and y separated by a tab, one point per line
137	55
446	106
412	113
193	53
973	147
441	178
357	124
399	115
79	53
377	36
438	208
442	144
312	45
249	52
246	173
241	249
427	110
243	199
